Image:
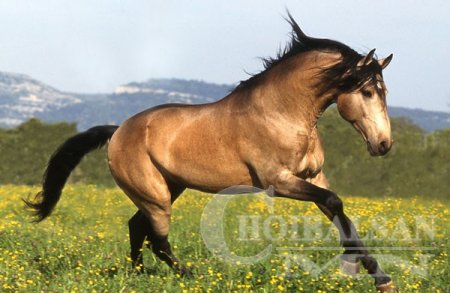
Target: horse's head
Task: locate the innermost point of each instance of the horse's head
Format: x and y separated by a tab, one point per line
365	105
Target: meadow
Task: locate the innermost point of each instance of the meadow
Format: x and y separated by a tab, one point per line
83	246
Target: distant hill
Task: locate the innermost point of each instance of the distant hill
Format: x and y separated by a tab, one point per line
22	97
427	120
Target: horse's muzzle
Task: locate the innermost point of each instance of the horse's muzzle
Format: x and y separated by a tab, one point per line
379	148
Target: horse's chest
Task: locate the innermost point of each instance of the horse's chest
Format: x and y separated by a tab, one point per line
312	161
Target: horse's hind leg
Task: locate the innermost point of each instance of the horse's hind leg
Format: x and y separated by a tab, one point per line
148	189
155	226
137	225
140	229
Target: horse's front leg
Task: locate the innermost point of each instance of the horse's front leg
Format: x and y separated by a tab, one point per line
290	186
350	257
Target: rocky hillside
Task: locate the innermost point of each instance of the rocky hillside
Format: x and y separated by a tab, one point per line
22	97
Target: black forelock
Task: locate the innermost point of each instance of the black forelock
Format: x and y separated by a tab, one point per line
347	76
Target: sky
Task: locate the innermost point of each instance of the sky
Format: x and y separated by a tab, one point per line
94	46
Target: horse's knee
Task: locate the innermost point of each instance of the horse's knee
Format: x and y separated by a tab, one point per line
335	204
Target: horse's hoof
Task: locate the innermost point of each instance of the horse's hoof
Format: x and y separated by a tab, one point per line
185	272
389	287
138	269
349	267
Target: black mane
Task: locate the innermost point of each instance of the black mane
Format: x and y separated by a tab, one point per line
345	76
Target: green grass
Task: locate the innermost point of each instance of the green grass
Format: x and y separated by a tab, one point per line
84	246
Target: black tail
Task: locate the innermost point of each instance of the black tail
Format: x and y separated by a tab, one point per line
61	164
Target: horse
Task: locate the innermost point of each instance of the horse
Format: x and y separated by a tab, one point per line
263	134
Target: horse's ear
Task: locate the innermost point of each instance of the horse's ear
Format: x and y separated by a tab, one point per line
366	60
385	62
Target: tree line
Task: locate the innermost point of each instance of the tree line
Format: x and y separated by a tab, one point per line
417	165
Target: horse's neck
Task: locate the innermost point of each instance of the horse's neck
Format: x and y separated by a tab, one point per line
293	97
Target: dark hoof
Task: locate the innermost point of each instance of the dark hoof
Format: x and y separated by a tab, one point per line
138	269
389	287
141	270
185	272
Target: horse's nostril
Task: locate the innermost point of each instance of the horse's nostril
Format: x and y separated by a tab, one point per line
384	146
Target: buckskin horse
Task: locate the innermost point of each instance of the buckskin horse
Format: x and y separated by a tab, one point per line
264	134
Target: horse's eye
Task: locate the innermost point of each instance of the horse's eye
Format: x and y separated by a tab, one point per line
366	93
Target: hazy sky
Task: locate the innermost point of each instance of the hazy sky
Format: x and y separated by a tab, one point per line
94	46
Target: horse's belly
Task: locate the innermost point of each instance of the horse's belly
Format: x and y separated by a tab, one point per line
210	179
202	169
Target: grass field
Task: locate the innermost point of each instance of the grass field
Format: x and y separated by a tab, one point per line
83	246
